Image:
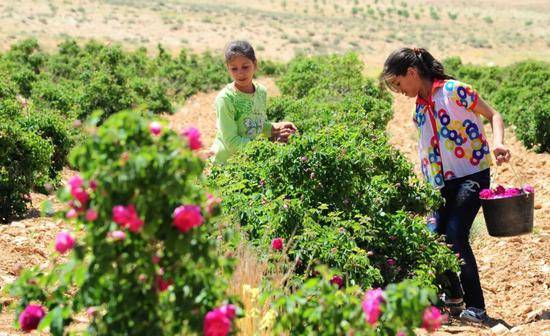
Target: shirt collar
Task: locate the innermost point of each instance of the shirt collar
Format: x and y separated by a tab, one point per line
438	83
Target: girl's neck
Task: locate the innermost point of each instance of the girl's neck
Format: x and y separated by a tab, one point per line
246	89
426	89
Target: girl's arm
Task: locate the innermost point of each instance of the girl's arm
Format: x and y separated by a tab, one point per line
501	152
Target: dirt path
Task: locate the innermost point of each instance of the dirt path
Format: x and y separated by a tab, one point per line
515	273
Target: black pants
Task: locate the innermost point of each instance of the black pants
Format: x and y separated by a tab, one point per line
454	220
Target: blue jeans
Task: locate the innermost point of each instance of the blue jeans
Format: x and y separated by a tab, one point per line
454	220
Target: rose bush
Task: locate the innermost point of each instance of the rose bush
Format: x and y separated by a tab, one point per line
141	254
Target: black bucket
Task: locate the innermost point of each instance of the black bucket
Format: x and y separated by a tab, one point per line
511	216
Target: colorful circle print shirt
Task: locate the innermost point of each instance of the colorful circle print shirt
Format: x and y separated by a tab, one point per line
451	143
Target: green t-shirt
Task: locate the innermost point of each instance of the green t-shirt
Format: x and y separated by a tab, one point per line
241	117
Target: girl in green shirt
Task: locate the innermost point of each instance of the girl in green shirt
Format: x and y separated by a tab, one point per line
241	106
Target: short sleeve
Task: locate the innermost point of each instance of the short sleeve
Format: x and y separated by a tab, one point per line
461	94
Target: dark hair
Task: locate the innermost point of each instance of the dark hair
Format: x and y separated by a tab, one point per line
402	59
239	48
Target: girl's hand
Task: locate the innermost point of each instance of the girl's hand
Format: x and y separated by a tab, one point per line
281	135
282	131
289	125
502	153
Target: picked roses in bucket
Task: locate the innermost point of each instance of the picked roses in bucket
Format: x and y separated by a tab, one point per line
502	192
508	211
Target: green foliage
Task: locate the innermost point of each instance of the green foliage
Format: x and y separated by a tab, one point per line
319	308
337	94
46	93
25	159
338	74
339	186
54	129
271	68
156	174
78	80
519	91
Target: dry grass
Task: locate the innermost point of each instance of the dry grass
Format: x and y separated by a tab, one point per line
253	277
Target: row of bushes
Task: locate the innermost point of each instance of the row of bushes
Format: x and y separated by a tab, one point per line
48	94
521	92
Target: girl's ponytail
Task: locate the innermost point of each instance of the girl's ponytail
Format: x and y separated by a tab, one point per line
402	59
430	67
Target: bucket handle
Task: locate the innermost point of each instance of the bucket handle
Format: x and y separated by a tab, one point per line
518	179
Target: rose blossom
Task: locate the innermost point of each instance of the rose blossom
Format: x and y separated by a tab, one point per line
31	316
277	244
186	217
64	242
371	305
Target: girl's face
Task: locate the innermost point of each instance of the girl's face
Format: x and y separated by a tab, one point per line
408	84
241	70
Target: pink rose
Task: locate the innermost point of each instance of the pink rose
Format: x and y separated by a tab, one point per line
31	316
391	261
187	217
499	190
229	310
64	242
277	244
91	215
127	217
400	333
528	189
432	319
135	224
81	195
155	259
486	194
162	284
120	214
371	305
155	128
117	235
193	136
76	182
93	184
337	280
511	192
216	323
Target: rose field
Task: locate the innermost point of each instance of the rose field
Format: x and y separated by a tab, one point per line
115	223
